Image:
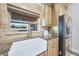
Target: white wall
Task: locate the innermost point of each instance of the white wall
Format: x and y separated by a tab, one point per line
74	13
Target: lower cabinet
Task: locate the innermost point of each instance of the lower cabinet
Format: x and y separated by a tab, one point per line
52	49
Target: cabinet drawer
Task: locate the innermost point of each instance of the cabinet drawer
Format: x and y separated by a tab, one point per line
51	42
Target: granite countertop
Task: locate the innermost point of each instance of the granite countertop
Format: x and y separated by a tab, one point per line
52	37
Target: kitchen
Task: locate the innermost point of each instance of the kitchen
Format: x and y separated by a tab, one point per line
30	22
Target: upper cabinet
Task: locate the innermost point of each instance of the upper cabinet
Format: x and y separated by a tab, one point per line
33	7
63	8
47	15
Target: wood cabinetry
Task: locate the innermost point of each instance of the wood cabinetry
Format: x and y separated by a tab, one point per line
53	47
36	8
43	54
47	12
3	17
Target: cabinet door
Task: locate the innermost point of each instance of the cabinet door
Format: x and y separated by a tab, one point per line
50	50
55	51
46	13
53	47
49	14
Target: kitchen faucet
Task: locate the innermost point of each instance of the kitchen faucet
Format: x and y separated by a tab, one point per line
29	31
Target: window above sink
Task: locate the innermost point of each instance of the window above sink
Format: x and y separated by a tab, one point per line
21	23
